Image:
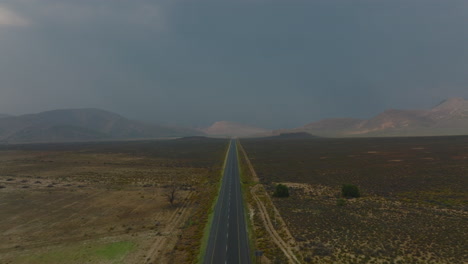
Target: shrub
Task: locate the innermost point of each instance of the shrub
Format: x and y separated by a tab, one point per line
281	191
341	202
350	191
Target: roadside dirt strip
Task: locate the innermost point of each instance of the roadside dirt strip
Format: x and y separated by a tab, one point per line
273	222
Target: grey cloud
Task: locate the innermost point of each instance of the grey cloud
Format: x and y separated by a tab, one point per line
10	18
98	13
275	63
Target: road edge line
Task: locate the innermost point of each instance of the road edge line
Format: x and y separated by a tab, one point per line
245	188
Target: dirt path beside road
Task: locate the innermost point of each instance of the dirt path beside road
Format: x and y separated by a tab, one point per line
272	220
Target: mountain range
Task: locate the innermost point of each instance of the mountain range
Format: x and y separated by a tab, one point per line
450	117
81	125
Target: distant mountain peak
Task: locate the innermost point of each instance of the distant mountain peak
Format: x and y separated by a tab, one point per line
452	108
453	100
232	129
451	103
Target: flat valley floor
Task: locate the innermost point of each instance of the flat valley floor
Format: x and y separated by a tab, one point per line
106	202
414	204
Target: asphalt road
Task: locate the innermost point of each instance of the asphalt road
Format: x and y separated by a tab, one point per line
228	240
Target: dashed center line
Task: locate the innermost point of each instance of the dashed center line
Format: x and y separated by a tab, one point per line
233	244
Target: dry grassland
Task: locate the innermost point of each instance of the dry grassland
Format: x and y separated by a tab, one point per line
105	202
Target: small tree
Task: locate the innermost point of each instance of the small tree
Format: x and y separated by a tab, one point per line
281	191
350	191
171	194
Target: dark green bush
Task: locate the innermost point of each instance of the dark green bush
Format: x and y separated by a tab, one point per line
281	191
350	191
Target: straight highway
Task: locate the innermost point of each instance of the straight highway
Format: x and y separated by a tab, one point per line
228	241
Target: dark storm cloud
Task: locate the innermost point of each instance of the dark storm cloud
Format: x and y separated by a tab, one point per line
274	63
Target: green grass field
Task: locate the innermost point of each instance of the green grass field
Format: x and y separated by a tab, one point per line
85	253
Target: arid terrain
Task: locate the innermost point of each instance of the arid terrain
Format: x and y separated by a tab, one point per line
107	202
413	208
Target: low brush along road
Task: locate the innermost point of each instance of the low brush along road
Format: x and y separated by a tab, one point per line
228	241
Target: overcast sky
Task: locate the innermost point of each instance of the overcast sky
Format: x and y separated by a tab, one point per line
268	63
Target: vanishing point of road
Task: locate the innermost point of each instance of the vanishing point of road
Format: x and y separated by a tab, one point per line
228	241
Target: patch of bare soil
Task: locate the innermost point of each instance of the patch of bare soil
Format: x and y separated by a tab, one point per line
169	234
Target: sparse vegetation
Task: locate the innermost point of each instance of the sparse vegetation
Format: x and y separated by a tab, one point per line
413	210
98	195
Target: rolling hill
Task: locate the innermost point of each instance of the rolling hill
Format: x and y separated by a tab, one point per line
81	125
